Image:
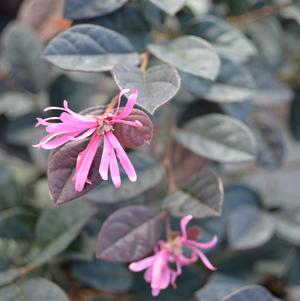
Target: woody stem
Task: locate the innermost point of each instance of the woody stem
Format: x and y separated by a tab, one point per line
167	160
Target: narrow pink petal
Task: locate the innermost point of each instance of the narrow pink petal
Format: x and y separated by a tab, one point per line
45	140
142	264
86	163
155	292
124	160
54	108
105	158
123	92
204	259
129	105
114	169
165	277
76	115
159	264
135	123
183	223
203	245
63	128
148	274
184	260
84	135
79	123
56	142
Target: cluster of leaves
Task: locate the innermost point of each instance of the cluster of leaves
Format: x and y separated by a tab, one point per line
217	79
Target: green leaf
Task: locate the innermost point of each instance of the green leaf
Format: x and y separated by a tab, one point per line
129	234
103	275
218	286
22	50
249	227
78	9
155	86
90	48
250	293
218	137
267	35
36	289
137	30
288	225
270	91
189	54
171	7
149	174
21	131
202	196
295	115
58	227
234	84
269	134
228	41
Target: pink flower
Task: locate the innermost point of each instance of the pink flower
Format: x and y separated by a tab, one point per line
73	126
159	272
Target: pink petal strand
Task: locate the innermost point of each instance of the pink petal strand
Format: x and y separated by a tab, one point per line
183	223
204	259
129	105
203	245
105	158
114	169
124	160
142	264
86	163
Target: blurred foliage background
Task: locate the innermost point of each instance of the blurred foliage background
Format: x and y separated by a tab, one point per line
50	250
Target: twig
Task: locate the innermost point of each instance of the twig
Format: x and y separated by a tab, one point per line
252	16
145	61
167	160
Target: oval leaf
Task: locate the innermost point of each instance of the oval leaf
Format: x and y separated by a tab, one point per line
21	53
61	166
226	39
134	137
171	7
58	227
218	138
249	227
82	9
250	293
103	275
202	196
156	86
34	290
90	48
189	54
271	145
129	234
234	84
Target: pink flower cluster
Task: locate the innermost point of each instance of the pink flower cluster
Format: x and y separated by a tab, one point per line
73	126
159	272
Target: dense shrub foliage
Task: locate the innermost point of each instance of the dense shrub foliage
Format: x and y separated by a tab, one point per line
150	135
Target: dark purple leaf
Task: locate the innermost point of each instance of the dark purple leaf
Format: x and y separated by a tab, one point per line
133	137
129	234
61	165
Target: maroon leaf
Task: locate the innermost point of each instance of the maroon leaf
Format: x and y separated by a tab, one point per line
61	166
129	234
133	137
